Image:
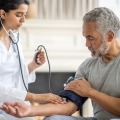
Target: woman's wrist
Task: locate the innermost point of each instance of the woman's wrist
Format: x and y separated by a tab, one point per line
40	98
32	66
30	97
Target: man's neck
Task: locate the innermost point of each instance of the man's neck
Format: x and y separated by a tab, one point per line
113	52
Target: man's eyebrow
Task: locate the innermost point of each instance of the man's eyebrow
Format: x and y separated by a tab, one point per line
89	36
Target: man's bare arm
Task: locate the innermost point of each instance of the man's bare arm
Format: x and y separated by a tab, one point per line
109	103
20	109
51	109
83	88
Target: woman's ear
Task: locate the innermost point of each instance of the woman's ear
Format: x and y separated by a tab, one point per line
2	14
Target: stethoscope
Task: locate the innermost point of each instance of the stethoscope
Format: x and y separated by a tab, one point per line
37	52
16	43
20	64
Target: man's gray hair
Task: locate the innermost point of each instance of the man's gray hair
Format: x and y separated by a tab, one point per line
105	20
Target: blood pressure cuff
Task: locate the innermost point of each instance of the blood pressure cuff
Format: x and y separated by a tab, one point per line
72	96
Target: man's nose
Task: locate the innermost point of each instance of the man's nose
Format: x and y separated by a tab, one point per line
88	43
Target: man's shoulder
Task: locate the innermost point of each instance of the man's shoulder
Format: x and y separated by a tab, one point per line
88	62
92	59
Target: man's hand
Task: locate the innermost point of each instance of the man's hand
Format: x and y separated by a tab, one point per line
80	87
17	109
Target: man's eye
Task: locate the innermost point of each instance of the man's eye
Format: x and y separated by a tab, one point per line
91	38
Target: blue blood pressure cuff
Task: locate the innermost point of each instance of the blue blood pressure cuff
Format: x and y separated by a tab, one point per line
72	96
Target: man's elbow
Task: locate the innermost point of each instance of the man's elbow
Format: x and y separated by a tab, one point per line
69	109
117	112
70	112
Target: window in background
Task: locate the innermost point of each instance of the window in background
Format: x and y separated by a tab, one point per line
111	4
61	9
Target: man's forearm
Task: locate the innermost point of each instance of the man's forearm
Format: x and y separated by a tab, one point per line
111	104
51	109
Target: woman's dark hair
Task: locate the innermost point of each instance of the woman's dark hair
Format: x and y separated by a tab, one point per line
8	5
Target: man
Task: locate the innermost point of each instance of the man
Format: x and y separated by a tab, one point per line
100	74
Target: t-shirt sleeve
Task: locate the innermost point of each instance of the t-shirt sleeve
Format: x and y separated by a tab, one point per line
82	71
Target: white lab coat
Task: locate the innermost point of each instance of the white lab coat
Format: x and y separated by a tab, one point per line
11	83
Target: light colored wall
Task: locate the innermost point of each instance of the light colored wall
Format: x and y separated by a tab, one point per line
63	41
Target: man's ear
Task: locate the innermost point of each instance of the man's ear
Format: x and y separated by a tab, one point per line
110	36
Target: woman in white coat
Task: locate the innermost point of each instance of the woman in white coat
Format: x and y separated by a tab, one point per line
14	73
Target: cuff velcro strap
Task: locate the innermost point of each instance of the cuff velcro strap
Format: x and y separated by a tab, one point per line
72	96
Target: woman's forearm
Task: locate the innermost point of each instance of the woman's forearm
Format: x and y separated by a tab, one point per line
32	66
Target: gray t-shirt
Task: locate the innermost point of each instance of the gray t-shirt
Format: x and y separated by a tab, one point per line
103	77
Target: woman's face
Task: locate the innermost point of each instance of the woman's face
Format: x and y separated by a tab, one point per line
15	18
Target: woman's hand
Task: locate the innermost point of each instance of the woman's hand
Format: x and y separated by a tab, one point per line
38	60
39	57
48	98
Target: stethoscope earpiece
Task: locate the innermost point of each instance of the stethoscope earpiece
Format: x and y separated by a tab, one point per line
2	16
